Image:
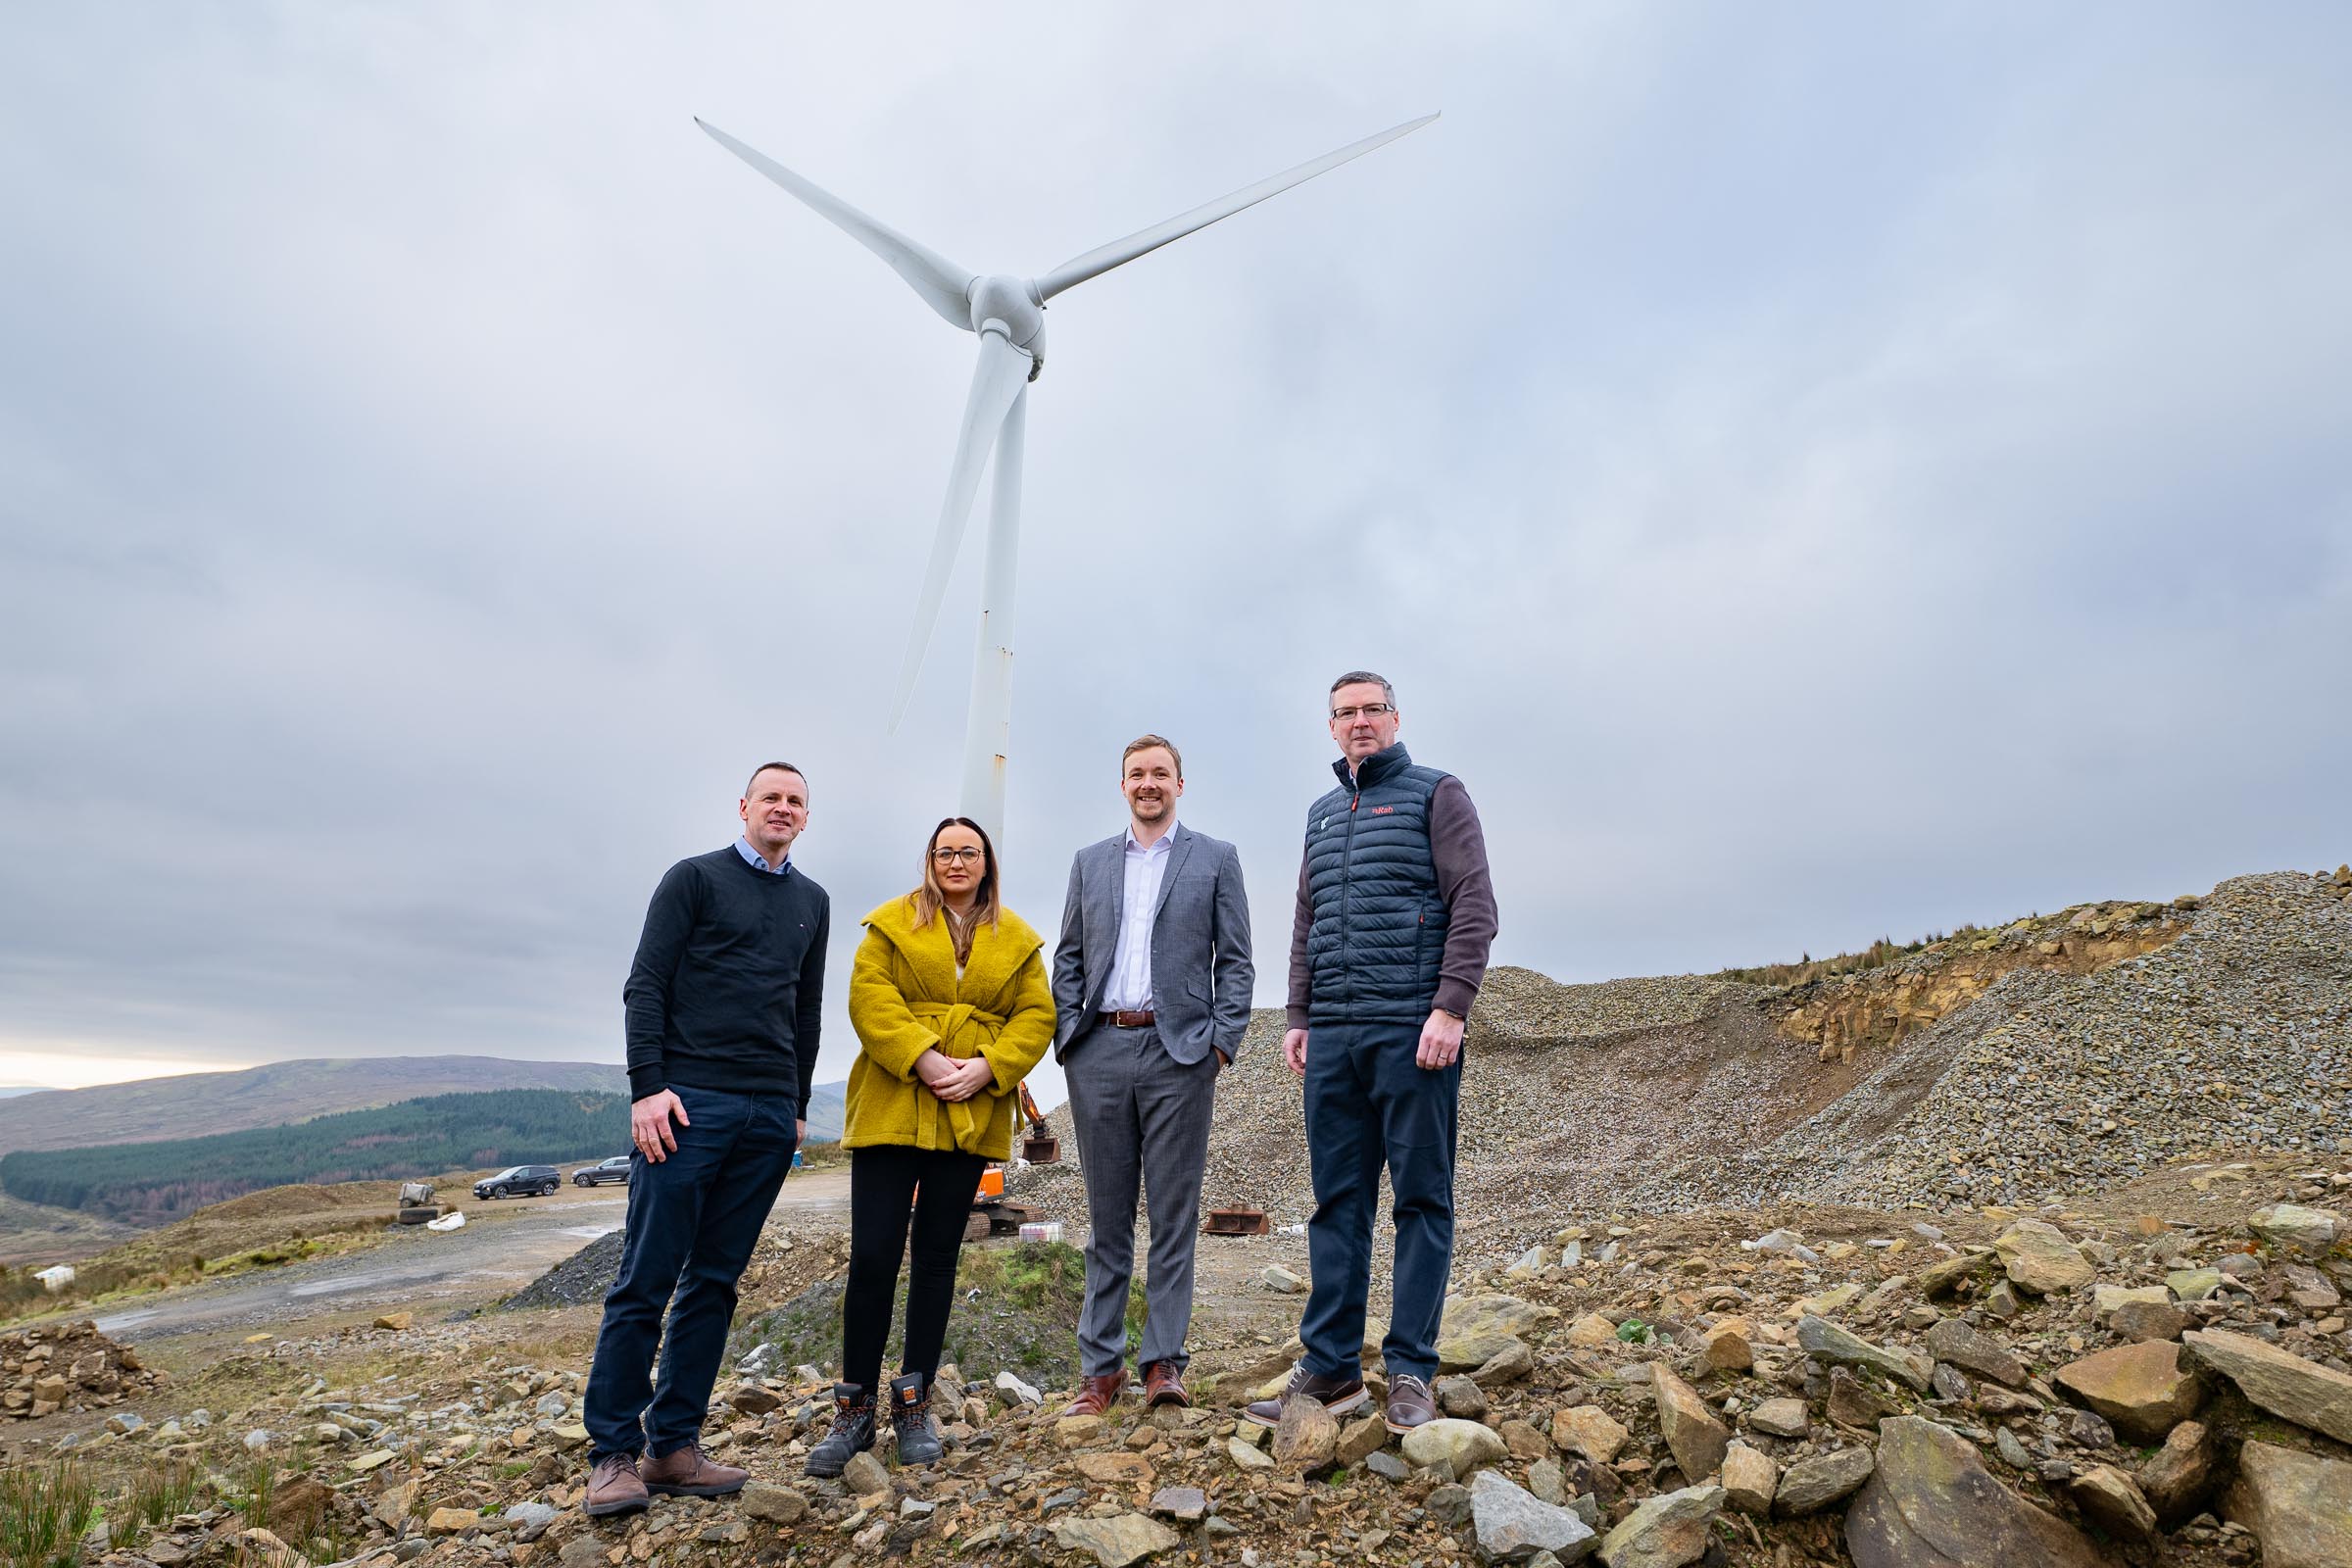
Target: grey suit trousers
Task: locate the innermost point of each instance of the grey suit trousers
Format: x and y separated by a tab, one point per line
1141	1119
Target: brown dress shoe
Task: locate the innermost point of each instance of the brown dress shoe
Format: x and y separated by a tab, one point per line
687	1473
1338	1395
1164	1384
1410	1403
613	1487
1097	1395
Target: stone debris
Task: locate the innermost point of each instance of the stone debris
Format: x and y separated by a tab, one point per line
1512	1525
1749	1478
1812	1485
1931	1504
2285	1385
1666	1531
2027	1358
2299	1505
1694	1434
2144	1390
2040	1258
69	1367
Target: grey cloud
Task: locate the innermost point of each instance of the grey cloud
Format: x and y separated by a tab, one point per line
1814	477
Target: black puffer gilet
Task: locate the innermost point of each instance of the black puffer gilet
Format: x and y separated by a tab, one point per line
1379	925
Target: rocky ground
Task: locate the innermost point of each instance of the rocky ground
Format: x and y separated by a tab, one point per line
2156	1377
1998	1255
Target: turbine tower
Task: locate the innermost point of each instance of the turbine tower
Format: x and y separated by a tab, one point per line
1008	314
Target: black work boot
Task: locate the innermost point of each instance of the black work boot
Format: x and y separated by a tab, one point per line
910	1413
852	1430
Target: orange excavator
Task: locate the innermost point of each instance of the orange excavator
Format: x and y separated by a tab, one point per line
991	1213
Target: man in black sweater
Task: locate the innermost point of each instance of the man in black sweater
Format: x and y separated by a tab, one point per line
722	1009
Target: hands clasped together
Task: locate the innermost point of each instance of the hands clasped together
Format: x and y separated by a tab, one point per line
952	1078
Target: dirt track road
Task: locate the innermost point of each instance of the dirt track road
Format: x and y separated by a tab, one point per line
431	1274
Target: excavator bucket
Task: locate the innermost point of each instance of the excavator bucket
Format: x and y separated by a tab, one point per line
1041	1146
1236	1222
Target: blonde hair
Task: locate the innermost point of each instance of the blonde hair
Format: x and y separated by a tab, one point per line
926	901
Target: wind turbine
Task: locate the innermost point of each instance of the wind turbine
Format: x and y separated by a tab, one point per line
1008	316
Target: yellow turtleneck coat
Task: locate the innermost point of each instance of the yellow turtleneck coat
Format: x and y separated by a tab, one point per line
905	999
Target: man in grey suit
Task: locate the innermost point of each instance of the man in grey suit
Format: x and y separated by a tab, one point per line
1151	982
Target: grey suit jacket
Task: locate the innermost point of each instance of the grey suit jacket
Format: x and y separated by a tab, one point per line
1201	968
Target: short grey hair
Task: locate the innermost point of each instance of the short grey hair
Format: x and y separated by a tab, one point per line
1361	677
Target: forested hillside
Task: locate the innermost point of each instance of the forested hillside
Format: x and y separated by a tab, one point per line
154	1183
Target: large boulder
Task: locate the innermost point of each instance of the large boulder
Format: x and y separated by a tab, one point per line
1666	1531
1931	1504
2113	1501
2280	1381
2040	1258
1812	1485
1971	1351
2293	1226
1749	1478
1824	1340
1306	1436
1588	1430
1117	1541
1476	1329
1461	1446
2299	1505
2177	1476
1513	1524
1692	1433
2142	1390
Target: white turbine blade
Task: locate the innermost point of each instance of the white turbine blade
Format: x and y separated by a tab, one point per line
941	283
1119	252
999	377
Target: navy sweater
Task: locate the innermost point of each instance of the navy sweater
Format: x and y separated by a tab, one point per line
729	981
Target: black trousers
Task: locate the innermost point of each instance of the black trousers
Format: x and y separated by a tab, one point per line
884	1183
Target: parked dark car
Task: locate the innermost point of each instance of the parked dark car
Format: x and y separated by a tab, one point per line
519	1181
616	1169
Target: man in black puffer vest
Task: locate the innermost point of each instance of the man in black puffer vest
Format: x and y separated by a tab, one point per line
1396	914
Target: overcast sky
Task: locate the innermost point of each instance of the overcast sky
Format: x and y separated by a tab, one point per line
1814	471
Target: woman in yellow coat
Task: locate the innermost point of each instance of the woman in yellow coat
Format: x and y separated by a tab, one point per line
952	1006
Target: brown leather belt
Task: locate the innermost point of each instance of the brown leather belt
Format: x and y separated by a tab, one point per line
1128	1020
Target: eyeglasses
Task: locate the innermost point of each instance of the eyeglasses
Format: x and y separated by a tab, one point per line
1341	715
953	856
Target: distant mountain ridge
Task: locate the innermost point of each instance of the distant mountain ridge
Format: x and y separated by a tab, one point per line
195	1105
192	1105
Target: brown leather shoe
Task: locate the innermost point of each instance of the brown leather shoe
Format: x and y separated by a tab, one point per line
1338	1395
1097	1395
613	1487
1410	1403
687	1473
1164	1384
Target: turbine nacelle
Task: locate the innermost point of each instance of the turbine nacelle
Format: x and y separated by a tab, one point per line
1013	300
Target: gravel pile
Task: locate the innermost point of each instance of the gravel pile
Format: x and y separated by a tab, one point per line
2236	1036
583	1277
1531	1054
1669	1093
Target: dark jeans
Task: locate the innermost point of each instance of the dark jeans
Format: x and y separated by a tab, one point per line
883	1186
693	1221
1368	1101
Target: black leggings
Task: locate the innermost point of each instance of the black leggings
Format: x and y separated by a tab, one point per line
883	1183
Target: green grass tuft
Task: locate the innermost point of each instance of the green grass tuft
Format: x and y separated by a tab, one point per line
44	1512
